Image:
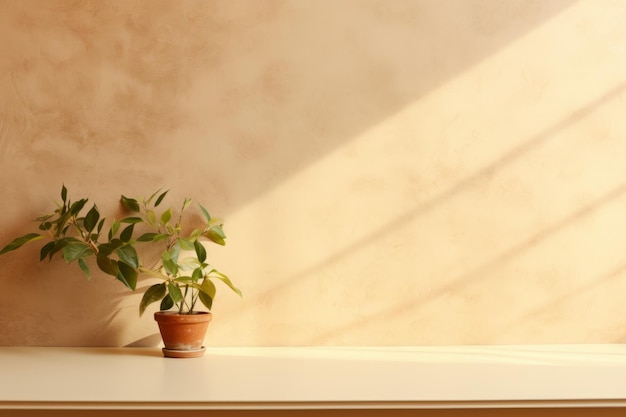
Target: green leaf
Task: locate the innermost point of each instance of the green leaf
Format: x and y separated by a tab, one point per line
184	279
151	197
107	249
83	265
188	263
63	193
106	265
91	219
206	300
127	274
128	254
226	280
216	235
100	226
45	250
152	295
131	220
60	224
208	287
147	237
166	216
185	244
151	216
197	274
161	197
186	203
206	292
130	203
169	265
114	228
206	214
77	206
155	274
194	235
127	233
45	226
174	252
174	292
166	303
22	240
58	245
200	251
44	217
160	236
76	250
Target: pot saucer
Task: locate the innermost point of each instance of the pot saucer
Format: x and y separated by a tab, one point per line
192	353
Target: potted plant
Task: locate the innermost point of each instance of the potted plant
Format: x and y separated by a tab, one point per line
186	278
185	274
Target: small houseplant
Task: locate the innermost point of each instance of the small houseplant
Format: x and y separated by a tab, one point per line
181	259
186	276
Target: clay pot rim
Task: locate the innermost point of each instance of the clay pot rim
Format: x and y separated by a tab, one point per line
184	314
173	316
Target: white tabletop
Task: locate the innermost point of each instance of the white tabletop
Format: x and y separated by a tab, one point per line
320	377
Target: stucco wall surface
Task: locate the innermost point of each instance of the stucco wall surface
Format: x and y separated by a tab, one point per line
389	171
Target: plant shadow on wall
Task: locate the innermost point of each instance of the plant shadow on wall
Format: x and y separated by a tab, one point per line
179	259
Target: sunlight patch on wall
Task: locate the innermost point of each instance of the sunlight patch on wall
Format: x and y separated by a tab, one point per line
501	190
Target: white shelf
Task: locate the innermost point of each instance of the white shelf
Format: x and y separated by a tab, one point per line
315	378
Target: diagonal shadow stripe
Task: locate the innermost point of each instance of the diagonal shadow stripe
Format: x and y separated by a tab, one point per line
483	270
543	309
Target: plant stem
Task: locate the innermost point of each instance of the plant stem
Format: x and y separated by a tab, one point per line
183	302
83	234
194	298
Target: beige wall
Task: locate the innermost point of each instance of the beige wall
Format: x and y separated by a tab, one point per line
390	172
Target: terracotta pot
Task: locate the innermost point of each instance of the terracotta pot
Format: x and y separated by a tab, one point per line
183	334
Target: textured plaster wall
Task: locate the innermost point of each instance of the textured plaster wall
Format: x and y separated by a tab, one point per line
390	171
